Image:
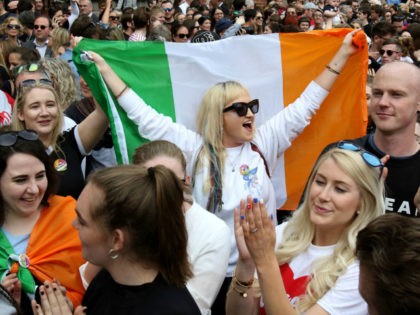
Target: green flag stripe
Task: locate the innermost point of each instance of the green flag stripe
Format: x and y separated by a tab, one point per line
144	63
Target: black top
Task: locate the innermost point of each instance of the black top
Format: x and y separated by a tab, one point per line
105	296
67	162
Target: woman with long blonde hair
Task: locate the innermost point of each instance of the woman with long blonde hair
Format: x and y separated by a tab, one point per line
315	249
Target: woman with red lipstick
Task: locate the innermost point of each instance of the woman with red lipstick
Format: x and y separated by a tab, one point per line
228	157
315	249
37	107
37	240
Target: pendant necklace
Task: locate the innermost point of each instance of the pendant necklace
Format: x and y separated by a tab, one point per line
233	164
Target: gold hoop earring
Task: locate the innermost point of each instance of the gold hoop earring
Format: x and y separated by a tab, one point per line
113	254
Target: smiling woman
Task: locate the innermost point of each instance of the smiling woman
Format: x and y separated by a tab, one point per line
228	157
37	107
315	249
37	240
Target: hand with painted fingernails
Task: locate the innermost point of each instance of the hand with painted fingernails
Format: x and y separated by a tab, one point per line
54	301
258	229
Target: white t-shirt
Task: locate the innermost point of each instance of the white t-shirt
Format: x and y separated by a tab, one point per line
342	299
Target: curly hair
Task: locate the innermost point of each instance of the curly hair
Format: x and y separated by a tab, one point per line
3	26
66	89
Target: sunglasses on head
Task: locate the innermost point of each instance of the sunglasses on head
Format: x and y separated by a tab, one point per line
31	82
388	52
30	67
241	108
369	158
182	35
42	27
13	26
9	138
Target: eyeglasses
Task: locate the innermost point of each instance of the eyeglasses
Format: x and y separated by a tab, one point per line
369	158
31	82
42	27
241	108
167	9
388	52
114	18
9	138
13	26
182	35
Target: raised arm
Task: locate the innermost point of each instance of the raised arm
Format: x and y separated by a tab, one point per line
331	72
92	128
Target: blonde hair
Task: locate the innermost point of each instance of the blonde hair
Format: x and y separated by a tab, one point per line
210	123
60	38
3	26
17	124
300	231
66	89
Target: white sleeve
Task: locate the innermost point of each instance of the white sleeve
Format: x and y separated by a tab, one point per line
209	269
155	126
344	297
74	13
277	133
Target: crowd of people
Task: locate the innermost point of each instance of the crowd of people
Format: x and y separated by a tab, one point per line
177	232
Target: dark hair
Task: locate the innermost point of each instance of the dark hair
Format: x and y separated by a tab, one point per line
249	14
141	17
36	149
126	18
153	219
202	19
238	4
389	250
27	55
365	9
176	26
378	9
84	26
382	29
304	19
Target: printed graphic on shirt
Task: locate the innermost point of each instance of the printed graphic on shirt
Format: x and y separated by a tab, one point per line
295	287
5	118
250	177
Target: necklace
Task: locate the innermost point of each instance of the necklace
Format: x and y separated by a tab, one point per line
233	163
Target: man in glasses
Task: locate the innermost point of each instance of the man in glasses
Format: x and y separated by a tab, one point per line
391	51
169	11
42	27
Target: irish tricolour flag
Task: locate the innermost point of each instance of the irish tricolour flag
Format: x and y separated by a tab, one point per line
172	78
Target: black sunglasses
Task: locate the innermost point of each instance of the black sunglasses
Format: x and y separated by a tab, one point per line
369	158
388	52
241	108
114	18
42	27
182	35
13	26
9	138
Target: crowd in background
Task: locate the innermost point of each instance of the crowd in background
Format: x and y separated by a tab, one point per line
42	91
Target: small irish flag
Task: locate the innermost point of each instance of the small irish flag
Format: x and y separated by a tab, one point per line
172	78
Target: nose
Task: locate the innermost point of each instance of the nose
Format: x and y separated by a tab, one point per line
44	110
249	113
32	187
325	193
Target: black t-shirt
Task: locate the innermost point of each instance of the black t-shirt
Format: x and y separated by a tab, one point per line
67	162
105	296
402	181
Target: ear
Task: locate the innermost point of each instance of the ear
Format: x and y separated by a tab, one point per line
20	115
188	180
118	240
